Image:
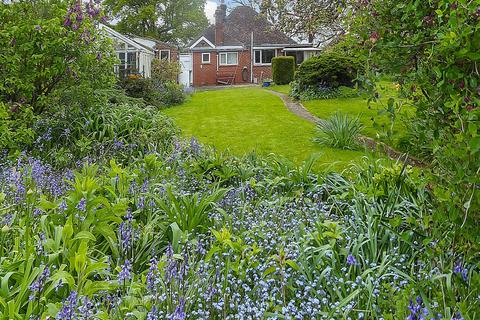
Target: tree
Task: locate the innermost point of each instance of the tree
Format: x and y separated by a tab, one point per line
46	46
317	21
175	21
433	49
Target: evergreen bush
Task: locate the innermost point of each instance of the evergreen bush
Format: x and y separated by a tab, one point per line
283	70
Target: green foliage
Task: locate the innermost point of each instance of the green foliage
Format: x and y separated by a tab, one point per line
126	130
165	71
158	233
141	88
44	52
331	69
340	131
432	48
283	70
172	94
162	19
153	91
15	128
191	212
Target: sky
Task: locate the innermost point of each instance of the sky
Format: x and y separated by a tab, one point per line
210	8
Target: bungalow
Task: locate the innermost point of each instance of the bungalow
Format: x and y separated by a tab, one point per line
239	49
136	54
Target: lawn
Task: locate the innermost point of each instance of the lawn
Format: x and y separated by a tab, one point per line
248	119
282	89
373	121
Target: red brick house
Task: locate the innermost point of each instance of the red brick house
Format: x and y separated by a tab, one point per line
239	47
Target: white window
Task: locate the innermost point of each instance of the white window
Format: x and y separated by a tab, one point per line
164	55
228	58
265	56
205	57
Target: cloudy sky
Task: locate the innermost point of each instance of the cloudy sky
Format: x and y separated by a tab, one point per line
210	8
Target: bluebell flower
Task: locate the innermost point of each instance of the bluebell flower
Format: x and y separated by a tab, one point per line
153	314
459	269
68	310
125	272
82	205
351	260
37	286
62	207
179	313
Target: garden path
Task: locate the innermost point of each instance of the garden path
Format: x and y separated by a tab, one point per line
298	109
295	107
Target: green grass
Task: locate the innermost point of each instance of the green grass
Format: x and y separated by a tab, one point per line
251	119
282	89
370	117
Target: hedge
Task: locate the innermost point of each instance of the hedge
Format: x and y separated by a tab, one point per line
283	69
330	69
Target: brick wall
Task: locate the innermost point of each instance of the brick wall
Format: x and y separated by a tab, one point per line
204	74
174	54
207	74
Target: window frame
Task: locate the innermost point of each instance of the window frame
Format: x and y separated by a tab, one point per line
226	58
165	50
261	57
209	58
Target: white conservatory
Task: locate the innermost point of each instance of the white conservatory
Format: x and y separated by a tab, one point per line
135	56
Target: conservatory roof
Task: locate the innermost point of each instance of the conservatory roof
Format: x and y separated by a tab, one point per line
123	38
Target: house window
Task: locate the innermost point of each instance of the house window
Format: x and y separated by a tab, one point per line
205	57
164	55
265	56
228	58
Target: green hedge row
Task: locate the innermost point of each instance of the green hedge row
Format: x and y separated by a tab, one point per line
283	70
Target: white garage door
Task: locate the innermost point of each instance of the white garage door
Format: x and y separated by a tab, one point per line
186	71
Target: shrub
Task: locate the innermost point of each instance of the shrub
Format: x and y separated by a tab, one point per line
332	69
328	76
47	48
15	127
165	71
340	131
154	92
321	92
441	78
283	70
172	93
141	88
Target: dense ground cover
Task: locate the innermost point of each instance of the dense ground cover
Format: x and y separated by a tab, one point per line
191	234
245	120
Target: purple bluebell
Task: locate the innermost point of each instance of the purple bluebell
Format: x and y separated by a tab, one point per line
37	286
82	205
179	313
125	272
459	269
153	314
62	207
68	311
351	261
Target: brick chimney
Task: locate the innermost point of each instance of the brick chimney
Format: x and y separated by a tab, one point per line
220	15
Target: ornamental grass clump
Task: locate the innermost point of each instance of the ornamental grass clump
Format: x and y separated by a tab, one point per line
340	131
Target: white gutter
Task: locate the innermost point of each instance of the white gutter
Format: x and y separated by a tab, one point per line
302	49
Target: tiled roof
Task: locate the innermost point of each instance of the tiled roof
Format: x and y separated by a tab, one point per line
239	25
